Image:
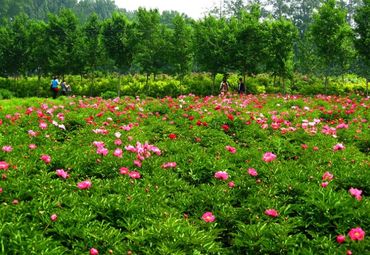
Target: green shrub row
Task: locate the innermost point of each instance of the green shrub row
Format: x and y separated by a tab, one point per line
198	83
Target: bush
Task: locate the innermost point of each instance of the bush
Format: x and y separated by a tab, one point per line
109	94
6	94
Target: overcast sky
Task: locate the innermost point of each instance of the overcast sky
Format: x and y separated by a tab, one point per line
193	8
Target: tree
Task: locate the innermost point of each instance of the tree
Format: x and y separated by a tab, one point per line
15	48
181	51
92	48
150	53
283	33
102	8
62	33
251	43
362	42
116	38
214	41
38	63
234	8
331	36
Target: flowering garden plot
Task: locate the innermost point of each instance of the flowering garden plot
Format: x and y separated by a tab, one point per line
190	175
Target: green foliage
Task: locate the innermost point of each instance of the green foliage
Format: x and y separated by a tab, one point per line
161	212
331	35
362	41
5	94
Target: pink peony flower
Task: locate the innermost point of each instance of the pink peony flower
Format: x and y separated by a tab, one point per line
4	165
268	157
84	184
32	133
124	170
118	142
356	193
221	175
272	213
102	151
61	173
7	148
338	147
349	252
231	184
208	217
324	184
130	148
230	149
327	176
137	163
46	158
252	172
341	238
98	144
134	175
54	217
32	146
304	146
356	234
94	251
43	125
169	165
118	153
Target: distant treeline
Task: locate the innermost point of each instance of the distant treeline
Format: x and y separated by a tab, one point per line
70	37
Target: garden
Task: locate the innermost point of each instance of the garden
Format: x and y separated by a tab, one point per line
234	174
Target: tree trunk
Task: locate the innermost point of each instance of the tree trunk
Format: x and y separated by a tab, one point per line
213	82
92	85
147	92
119	86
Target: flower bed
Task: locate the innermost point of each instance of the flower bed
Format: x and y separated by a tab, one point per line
263	174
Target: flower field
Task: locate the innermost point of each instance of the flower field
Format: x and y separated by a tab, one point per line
266	174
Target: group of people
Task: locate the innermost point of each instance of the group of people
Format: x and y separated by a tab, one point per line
224	86
64	87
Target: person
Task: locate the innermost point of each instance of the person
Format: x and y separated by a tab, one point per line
69	89
64	85
224	86
54	87
241	86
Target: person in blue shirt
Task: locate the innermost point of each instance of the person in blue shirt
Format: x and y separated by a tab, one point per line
54	87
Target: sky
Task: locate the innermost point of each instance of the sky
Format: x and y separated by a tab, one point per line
193	8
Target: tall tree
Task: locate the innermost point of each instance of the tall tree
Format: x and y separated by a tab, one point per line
116	36
251	46
331	35
103	8
92	48
62	44
214	43
117	42
38	63
362	43
181	51
16	48
150	55
234	8
283	33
